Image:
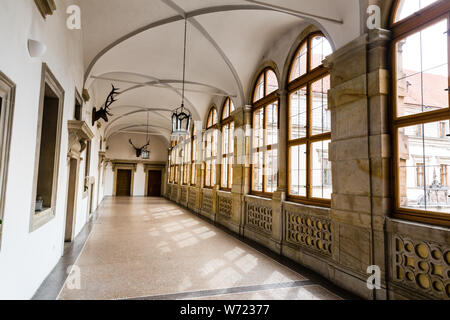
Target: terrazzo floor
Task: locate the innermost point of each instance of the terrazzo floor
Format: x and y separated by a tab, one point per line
150	248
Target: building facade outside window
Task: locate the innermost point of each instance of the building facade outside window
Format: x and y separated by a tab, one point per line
420	49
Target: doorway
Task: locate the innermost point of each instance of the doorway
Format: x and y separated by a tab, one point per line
123	184
154	183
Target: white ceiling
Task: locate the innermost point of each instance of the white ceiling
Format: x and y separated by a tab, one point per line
138	46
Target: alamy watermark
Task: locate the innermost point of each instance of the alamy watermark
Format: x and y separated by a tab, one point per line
73	281
374	281
374	17
74	20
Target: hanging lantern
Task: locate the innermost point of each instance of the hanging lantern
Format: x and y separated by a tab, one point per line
145	154
181	121
181	117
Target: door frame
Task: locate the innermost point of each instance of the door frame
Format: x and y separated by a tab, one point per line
154	167
124	166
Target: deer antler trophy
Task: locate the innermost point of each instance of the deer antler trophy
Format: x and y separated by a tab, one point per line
139	150
103	113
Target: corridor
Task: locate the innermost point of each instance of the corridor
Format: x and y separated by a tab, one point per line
150	248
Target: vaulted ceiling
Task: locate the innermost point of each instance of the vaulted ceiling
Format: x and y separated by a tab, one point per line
138	46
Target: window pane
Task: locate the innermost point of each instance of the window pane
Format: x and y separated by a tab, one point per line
257	173
297	114
230	177
422	71
225	172
213	172
423	180
225	139
208	173
321	115
297	171
258	125
259	89
408	7
271	174
321	170
272	82
320	49
231	135
193	172
232	108
299	66
272	124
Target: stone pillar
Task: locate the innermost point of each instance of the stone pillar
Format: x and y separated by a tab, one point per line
200	171
241	165
280	195
360	153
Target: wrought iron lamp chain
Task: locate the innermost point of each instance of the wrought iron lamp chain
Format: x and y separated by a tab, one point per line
184	60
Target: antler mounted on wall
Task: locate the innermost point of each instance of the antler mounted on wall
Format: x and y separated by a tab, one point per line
103	113
139	150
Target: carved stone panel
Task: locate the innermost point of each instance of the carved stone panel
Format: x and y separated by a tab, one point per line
422	266
183	195
207	203
259	217
309	232
225	206
192	198
174	193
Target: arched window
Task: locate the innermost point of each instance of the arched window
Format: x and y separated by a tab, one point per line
421	114
309	123
211	149
265	134
193	156
227	145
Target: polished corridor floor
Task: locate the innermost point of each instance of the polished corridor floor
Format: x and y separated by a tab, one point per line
150	248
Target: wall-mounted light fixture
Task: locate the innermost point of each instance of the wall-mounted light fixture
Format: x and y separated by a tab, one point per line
36	49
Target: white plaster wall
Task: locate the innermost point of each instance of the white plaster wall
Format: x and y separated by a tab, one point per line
120	149
27	258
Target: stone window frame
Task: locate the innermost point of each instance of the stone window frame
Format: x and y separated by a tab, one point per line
78	100
210	138
7	100
269	98
47	78
45	7
227	121
400	30
312	75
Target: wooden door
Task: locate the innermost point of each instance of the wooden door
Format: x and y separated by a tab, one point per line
154	183
123	186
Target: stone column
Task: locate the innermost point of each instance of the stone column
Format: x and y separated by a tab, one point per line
360	153
200	171
280	195
241	165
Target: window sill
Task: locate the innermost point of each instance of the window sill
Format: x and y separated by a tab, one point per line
41	218
310	202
